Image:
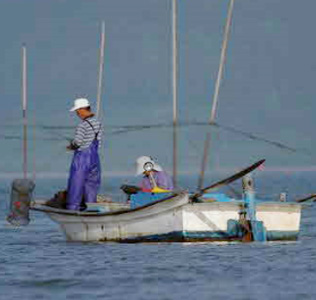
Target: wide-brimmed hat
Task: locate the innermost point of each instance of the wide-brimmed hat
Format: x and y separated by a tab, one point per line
80	103
142	160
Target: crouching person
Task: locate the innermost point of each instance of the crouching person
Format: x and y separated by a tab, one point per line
155	179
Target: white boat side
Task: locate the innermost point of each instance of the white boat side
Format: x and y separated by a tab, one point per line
174	219
211	220
279	216
153	219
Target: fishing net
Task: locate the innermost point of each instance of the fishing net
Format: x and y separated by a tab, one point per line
21	197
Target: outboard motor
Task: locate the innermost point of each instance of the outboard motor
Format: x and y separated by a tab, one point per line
249	196
21	196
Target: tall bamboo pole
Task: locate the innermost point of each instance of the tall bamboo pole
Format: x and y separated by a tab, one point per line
222	61
34	148
101	65
175	89
24	108
216	93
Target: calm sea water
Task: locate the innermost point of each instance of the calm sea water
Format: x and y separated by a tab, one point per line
37	263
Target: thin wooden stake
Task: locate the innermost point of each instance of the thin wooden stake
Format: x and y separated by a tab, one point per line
204	160
24	108
101	65
175	88
34	148
222	61
216	93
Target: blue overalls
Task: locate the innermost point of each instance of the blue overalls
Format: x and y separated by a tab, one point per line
85	175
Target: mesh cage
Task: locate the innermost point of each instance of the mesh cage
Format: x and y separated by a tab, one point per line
21	196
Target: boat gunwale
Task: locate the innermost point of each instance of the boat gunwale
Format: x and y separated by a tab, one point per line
47	209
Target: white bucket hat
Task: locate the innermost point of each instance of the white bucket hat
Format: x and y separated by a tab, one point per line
80	103
142	160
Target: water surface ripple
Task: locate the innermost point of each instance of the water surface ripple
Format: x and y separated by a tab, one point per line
37	263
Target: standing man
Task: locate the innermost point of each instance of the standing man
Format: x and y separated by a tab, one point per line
85	171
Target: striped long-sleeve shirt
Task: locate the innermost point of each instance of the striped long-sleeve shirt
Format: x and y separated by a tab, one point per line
85	134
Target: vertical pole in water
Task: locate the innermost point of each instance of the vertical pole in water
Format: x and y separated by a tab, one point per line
216	92
101	64
24	107
174	88
222	61
22	189
99	84
34	147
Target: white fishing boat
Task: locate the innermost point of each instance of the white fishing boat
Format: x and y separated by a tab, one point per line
181	217
175	220
178	216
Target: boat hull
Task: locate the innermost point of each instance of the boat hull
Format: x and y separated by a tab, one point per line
176	219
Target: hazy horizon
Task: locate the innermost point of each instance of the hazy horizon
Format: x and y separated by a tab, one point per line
267	90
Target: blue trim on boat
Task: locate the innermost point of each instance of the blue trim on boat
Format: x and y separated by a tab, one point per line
181	236
282	235
199	236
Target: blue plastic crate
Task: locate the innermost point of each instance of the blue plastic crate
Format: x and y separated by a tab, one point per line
142	198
